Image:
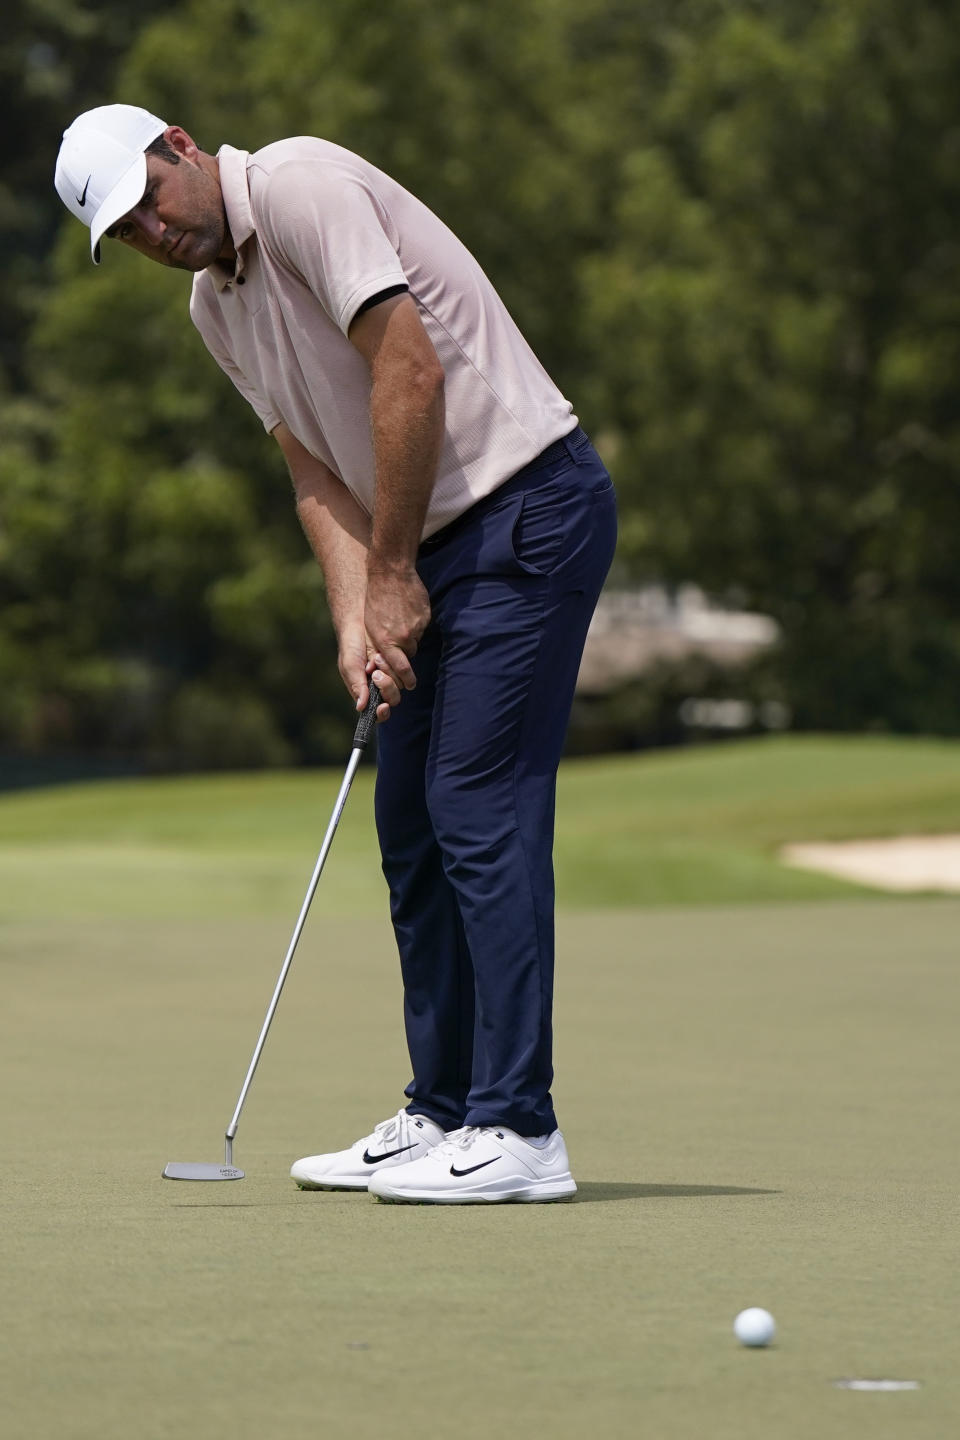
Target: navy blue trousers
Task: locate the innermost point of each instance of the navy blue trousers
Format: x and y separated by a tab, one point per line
466	782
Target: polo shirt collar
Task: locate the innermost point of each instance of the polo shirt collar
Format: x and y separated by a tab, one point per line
236	200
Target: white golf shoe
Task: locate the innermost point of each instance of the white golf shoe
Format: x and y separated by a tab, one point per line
477	1165
394	1142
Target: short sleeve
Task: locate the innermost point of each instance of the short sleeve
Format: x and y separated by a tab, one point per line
323	221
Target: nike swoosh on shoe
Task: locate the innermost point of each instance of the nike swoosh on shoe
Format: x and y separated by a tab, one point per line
470	1168
369	1159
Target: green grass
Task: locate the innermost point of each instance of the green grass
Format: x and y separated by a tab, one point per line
758	1104
758	1101
697	826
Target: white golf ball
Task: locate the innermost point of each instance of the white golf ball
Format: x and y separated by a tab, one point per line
754	1327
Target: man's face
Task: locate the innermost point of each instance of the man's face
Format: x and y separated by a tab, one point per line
181	220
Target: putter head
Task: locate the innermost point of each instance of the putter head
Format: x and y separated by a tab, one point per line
187	1171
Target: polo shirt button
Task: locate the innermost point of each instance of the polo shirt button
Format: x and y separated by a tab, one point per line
241	279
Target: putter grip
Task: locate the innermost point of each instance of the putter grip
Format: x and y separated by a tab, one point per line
368	720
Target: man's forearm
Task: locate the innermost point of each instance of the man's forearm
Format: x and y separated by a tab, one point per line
408	428
407	417
338	533
407	424
337	529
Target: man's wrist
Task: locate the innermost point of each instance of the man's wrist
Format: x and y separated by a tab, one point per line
391	561
350	632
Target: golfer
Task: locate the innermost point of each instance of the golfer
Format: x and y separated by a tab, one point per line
464	524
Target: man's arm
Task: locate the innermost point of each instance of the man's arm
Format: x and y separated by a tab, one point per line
339	534
407	421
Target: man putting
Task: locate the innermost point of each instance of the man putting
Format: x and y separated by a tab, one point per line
464	524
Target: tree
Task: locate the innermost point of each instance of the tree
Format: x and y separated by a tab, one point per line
57	57
727	228
780	306
172	565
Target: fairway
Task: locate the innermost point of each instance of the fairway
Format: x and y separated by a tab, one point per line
758	1100
690	827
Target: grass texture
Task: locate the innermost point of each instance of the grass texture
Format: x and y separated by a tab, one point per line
758	1104
699	826
758	1100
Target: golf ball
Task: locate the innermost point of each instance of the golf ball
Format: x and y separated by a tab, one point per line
754	1327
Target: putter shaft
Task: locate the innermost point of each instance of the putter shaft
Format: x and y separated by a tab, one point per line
176	1171
297	932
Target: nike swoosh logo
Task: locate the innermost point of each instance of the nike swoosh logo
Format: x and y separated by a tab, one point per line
82	199
470	1169
369	1159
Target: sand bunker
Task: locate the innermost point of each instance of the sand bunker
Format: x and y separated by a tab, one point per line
908	862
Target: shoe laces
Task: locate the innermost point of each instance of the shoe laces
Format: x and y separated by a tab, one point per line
458	1141
396	1128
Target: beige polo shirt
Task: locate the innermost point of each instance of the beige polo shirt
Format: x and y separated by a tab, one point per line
318	231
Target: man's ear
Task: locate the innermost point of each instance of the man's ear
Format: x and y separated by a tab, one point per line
180	141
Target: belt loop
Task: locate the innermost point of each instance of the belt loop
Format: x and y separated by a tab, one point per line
567	441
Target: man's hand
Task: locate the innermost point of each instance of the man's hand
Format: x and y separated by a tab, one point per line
397	613
358	665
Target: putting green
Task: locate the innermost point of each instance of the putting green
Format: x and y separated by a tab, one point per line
760	1108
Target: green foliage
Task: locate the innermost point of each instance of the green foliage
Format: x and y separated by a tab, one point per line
727	229
781	296
57	58
153	578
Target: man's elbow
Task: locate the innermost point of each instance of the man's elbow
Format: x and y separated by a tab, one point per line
429	380
415	369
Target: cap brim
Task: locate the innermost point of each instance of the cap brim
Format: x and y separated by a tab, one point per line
127	193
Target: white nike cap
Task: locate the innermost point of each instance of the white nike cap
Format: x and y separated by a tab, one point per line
101	169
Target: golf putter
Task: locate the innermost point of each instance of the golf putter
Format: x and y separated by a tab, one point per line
187	1170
